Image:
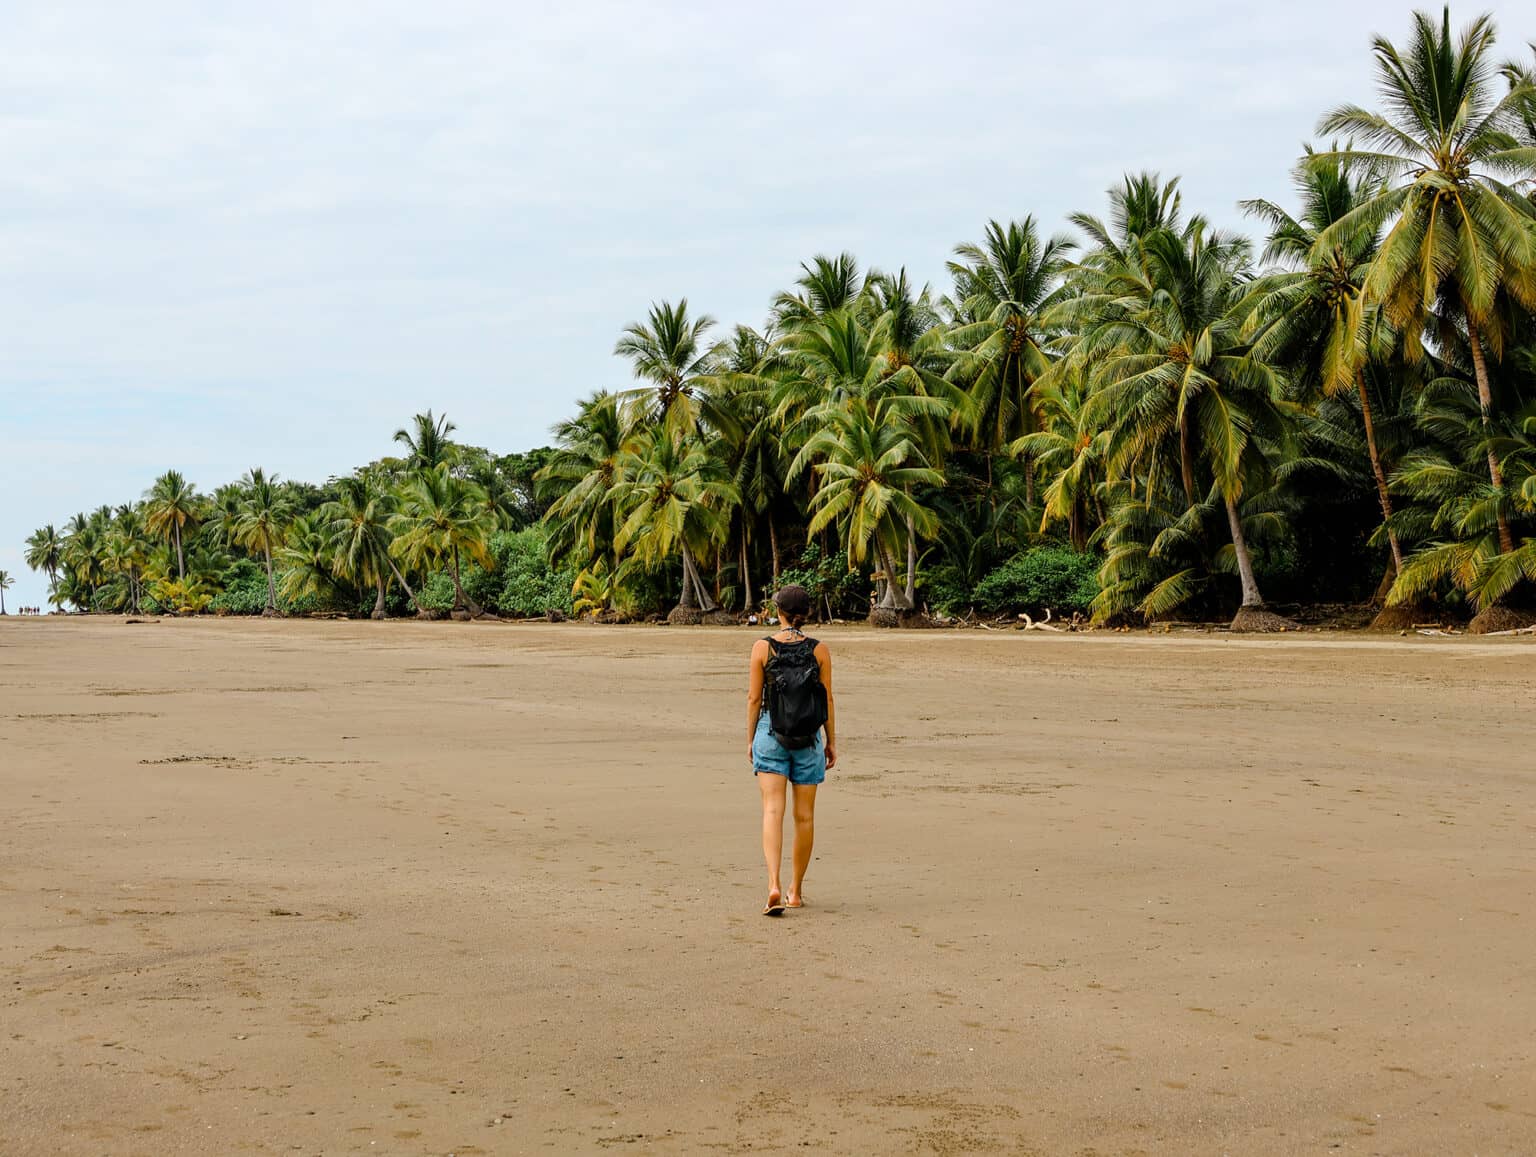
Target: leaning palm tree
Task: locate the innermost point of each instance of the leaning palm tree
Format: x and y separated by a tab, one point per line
668	352
45	553
443	519
675	502
1448	147
1175	383
357	526
172	510
1313	314
1003	289
265	512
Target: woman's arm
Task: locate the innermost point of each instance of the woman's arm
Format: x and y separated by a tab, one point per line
824	661
755	690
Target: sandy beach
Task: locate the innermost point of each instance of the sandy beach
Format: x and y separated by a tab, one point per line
330	887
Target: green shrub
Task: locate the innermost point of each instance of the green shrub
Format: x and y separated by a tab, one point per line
436	594
827	579
1054	577
528	585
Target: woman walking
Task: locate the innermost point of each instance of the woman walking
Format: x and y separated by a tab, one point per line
791	737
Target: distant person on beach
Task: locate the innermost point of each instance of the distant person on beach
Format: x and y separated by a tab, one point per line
791	737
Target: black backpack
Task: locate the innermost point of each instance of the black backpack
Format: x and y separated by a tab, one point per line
797	701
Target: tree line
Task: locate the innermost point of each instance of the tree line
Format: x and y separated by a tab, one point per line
1148	417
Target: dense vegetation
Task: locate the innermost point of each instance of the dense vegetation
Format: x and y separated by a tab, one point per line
1143	419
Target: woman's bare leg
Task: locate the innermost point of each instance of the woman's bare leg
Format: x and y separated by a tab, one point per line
774	788
805	836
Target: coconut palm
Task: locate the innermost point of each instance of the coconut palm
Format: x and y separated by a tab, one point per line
1003	290
581	475
427	442
1174	382
442	519
1314	314
1447	145
264	513
869	464
667	351
45	553
1070	449
826	285
171	511
6	582
674	500
357	525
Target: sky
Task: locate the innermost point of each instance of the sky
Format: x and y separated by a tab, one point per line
237	235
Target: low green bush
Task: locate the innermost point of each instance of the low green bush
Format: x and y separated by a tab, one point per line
1054	577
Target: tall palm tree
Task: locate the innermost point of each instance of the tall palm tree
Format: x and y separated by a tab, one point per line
580	476
172	510
1314	315
357	523
428	443
6	582
442	519
1003	289
1174	382
44	552
675	502
265	511
667	350
1460	236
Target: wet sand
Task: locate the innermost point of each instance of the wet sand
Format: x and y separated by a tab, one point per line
413	888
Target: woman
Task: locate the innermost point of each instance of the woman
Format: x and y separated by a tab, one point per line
791	737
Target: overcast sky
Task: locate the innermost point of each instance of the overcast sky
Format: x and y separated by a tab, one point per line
266	234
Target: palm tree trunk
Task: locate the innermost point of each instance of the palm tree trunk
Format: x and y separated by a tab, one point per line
400	578
181	566
378	602
461	601
1485	403
1251	596
893	597
271	585
773	541
746	573
1029	482
1381	476
692	579
911	592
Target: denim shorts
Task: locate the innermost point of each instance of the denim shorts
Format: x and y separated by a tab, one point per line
805	765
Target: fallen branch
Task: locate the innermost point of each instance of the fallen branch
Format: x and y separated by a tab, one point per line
1515	631
1042	625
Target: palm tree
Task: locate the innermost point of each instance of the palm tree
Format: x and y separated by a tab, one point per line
582	472
668	351
44	552
308	557
1070	449
826	285
1173	380
1003	289
1460	236
428	443
441	519
675	502
262	522
357	523
869	465
1315	315
6	583
171	511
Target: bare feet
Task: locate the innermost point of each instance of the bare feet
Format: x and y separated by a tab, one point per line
775	903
